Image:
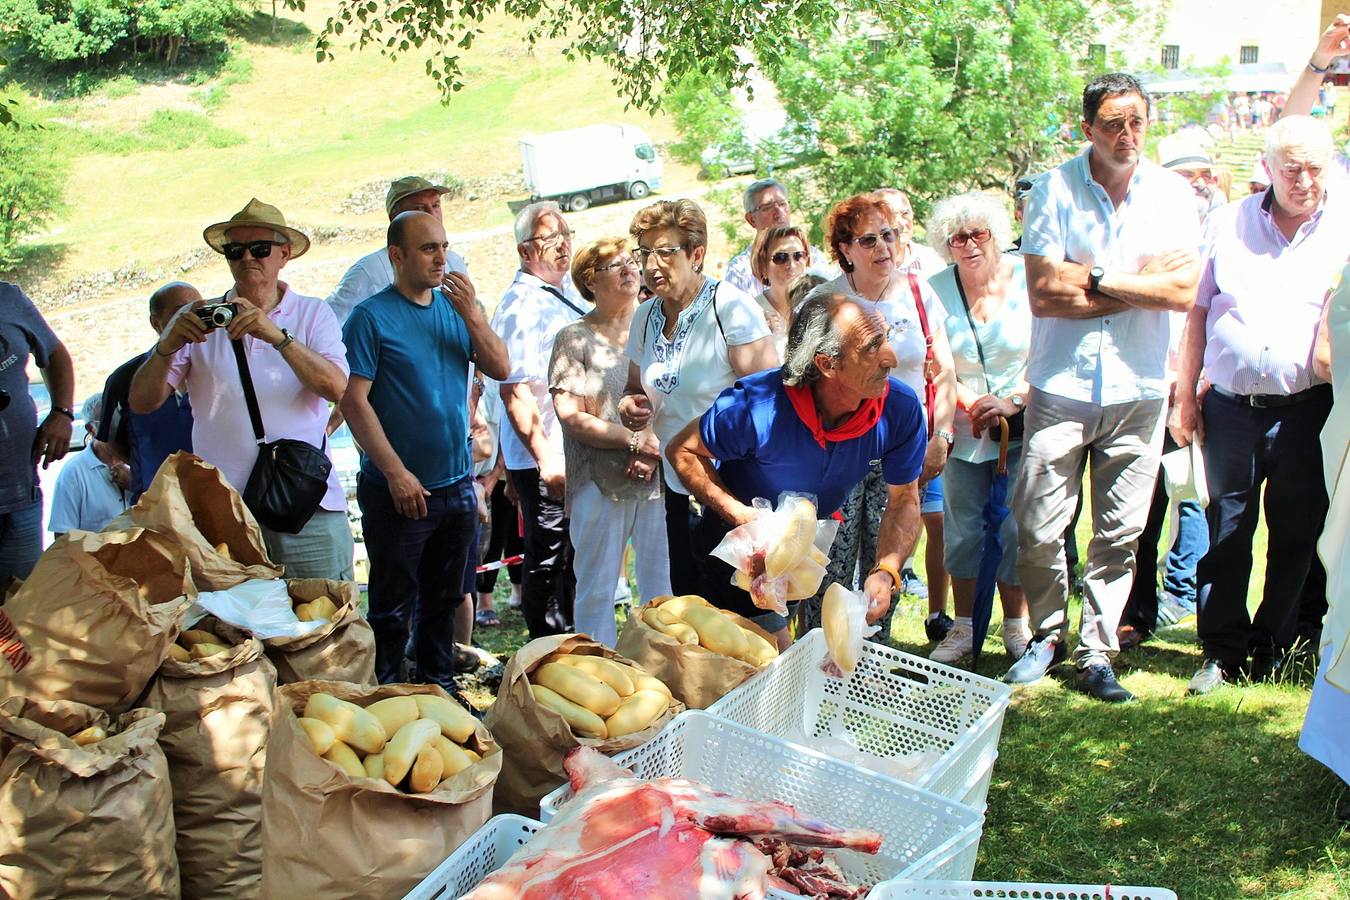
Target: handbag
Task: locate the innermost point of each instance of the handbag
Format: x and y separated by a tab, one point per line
929	388
290	478
1016	422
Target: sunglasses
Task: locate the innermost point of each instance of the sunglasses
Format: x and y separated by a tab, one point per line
256	249
782	256
868	241
960	239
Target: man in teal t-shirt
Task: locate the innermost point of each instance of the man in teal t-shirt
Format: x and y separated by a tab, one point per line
409	348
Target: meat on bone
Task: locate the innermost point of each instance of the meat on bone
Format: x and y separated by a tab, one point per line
628	838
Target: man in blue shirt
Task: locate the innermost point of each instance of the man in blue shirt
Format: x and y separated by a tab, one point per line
409	348
145	441
814	426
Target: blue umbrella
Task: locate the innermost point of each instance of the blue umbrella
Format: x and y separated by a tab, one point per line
994	512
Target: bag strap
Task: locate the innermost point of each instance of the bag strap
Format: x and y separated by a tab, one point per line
250	398
718	316
923	324
970	320
568	303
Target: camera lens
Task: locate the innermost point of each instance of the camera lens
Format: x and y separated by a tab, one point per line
221	316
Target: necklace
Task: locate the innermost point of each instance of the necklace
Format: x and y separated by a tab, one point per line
877	299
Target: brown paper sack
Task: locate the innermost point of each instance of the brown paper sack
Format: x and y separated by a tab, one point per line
95	619
190	500
219	710
342	650
326	834
93	821
695	675
534	738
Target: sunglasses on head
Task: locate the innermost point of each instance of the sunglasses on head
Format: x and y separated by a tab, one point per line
782	256
978	235
868	241
256	249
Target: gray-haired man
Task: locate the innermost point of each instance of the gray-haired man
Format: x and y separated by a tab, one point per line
766	206
537	305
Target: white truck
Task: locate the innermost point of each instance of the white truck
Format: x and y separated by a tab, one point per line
582	166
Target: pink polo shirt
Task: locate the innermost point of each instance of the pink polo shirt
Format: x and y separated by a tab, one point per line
221	432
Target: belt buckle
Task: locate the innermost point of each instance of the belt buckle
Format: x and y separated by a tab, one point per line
1257	401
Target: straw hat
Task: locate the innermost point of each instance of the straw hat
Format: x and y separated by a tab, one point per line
262	215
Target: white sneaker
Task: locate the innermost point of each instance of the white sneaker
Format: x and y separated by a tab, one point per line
956	646
1016	636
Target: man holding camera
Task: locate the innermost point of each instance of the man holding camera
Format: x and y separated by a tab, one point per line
297	363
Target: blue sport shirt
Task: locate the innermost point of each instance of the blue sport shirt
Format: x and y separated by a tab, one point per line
417	361
763	448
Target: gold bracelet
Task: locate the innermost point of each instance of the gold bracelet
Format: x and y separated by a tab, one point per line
891	571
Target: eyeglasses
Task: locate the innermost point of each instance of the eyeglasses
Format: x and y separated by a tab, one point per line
552	239
961	238
257	249
623	262
665	254
782	256
771	205
868	241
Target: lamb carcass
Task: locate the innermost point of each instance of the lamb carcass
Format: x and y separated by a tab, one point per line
624	837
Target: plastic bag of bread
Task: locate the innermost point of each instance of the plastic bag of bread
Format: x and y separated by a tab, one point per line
782	554
86	808
843	617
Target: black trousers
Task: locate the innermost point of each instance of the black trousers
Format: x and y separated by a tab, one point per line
548	585
503	540
1248	449
680	523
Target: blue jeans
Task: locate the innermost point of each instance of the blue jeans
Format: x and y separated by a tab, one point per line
20	541
417	575
1247	449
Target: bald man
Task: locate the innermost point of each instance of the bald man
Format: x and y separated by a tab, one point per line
145	441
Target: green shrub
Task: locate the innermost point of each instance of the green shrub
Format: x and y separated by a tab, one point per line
32	179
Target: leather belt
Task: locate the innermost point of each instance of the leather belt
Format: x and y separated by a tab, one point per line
1272	401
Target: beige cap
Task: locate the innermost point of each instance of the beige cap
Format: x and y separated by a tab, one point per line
407	186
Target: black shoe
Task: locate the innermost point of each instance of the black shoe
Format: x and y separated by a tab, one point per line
1208	677
936	627
1098	680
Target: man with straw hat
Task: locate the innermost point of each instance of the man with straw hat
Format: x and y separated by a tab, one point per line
373	272
297	363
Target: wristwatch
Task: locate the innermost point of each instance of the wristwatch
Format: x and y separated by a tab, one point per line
947	435
286	339
895	576
1018	402
1095	276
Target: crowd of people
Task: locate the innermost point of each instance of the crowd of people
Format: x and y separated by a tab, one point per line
620	395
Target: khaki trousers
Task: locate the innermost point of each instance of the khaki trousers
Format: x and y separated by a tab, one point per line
1123	442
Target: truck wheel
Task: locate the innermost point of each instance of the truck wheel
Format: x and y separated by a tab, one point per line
578	202
638	189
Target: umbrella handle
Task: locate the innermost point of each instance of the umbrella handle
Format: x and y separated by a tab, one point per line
1003	430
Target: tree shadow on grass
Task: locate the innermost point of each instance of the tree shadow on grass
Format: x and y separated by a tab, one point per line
33	263
1209	797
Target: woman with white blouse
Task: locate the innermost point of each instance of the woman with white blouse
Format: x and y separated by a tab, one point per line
687	344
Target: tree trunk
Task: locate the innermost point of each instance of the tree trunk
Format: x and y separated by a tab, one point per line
274	18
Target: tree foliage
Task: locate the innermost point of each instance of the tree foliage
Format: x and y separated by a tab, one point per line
68	33
32	178
647	44
967	94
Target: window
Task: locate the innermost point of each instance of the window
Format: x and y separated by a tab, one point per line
1171	56
1096	56
645	151
1248	55
876	46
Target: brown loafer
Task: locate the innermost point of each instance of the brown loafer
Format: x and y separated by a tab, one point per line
1129	637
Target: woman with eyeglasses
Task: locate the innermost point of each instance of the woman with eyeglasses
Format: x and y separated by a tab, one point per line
779	257
613	480
688	343
864	237
988	320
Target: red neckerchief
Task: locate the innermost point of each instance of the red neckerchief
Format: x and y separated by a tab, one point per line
862	421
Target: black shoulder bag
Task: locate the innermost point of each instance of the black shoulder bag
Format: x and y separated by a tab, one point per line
1016	422
289	479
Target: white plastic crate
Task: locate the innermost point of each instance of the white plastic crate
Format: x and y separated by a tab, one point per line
477	858
892	704
1008	890
924	835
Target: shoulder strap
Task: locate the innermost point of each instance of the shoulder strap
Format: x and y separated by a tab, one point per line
568	303
970	320
923	324
250	398
717	316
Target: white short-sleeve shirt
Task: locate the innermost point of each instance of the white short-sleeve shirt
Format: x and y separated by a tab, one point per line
85	496
1121	357
901	313
683	375
527	320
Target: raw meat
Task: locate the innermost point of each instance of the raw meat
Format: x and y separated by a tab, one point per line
797	870
626	837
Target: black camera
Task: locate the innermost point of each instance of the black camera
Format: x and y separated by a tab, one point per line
217	315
